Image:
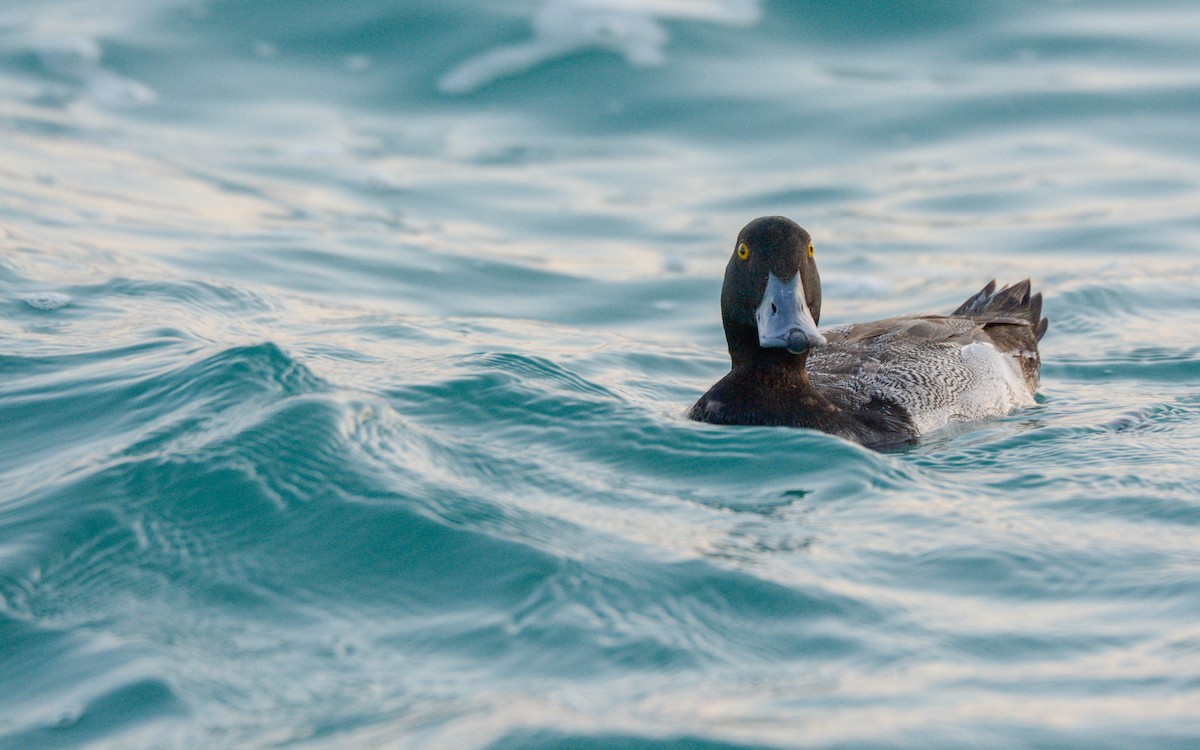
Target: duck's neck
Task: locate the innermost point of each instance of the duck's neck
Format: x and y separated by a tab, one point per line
774	364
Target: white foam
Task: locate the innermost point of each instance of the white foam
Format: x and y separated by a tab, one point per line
113	90
78	57
47	300
562	27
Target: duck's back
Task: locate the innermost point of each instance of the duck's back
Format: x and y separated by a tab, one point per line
927	371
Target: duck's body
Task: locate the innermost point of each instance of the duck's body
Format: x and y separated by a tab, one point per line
880	383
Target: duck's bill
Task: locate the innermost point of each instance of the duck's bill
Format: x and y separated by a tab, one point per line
784	320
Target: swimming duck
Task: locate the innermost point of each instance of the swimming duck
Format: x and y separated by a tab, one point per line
881	383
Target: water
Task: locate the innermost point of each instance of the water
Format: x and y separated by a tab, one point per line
345	347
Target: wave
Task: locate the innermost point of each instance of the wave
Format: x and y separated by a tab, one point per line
564	27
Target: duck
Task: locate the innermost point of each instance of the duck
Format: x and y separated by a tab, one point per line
881	384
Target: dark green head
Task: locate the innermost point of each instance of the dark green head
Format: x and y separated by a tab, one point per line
771	298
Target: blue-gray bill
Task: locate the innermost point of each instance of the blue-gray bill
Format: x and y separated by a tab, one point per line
784	320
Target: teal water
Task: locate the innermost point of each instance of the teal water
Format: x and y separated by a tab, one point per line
344	348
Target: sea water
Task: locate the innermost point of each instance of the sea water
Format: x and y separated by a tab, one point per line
344	348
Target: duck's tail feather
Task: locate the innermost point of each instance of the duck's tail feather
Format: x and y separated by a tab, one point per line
1013	301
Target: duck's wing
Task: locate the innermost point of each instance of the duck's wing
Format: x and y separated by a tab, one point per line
877	360
928	370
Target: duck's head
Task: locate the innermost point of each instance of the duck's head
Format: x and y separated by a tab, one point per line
771	299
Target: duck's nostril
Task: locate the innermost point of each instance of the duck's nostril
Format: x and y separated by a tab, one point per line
774	311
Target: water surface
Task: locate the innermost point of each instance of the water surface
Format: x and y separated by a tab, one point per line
344	350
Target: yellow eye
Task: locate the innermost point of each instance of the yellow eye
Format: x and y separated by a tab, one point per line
743	251
810	250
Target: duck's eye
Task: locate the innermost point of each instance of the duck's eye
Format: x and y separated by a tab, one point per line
810	250
743	251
